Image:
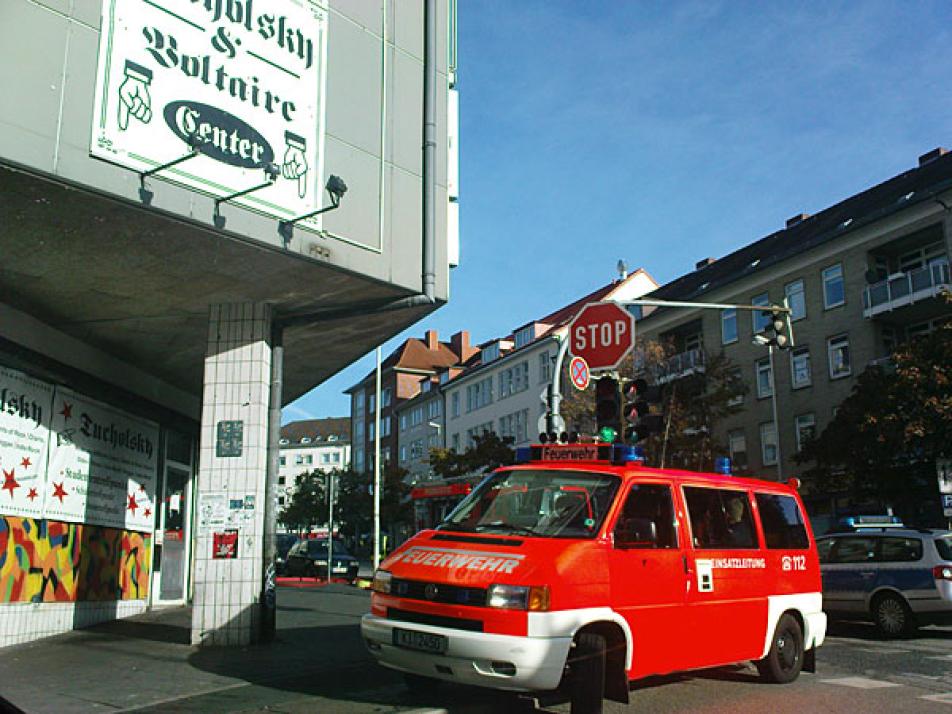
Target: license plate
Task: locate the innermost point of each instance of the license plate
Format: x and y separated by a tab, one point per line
340	568
422	641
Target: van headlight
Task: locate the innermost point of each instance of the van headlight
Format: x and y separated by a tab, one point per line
381	583
518	597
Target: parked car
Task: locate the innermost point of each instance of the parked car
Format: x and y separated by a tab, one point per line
309	558
284	543
899	578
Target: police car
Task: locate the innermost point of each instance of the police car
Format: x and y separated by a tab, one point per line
580	570
897	577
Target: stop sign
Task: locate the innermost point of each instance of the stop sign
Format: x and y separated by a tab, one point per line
602	334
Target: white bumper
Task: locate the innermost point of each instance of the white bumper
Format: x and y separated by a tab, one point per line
469	657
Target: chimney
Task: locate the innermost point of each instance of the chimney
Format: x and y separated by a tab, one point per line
936	153
460	345
799	218
704	263
432	340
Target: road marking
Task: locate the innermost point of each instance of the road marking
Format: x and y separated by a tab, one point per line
941	698
860	682
941	658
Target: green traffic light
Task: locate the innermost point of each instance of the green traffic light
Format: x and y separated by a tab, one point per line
607	434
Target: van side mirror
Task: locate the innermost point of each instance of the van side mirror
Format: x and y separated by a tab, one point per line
636	533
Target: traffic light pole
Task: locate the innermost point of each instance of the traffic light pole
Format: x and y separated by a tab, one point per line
555	395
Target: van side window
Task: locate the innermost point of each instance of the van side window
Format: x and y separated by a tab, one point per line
720	518
899	550
853	549
782	521
647	520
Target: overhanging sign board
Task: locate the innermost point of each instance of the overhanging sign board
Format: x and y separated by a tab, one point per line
241	79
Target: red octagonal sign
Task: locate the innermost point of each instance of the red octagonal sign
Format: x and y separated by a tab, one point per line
602	334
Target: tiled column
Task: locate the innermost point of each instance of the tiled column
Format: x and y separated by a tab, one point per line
231	479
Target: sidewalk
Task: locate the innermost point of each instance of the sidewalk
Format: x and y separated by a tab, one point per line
317	663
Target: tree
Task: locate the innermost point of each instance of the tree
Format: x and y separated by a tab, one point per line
307	506
883	442
692	405
487	453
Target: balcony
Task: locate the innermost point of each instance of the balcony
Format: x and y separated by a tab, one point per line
905	289
680	365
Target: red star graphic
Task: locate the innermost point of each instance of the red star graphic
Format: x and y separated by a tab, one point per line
67	410
25	462
147	512
9	483
59	491
32	494
132	505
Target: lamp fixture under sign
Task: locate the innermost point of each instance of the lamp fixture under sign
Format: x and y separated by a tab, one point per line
336	188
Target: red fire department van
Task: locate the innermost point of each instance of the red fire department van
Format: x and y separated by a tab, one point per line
579	570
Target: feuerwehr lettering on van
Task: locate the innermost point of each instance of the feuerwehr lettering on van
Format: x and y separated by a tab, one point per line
470	560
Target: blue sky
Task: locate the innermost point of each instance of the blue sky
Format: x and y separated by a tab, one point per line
663	133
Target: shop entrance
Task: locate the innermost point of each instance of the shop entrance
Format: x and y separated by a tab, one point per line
173	527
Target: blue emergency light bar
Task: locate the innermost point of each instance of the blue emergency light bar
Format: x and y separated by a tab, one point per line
613	453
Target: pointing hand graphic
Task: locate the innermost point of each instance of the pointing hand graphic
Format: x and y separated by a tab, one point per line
294	165
134	95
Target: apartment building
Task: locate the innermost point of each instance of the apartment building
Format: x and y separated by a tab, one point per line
502	391
860	276
311	445
401	374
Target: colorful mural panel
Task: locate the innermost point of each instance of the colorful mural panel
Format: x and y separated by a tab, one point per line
51	561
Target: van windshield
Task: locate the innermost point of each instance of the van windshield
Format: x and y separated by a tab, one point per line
549	504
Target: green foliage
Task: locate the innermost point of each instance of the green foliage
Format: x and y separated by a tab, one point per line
355	503
308	504
887	434
488	452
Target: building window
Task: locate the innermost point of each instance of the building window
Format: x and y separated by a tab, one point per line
545	367
385	397
403	453
455	443
372	403
384	427
764	379
728	326
308	460
833	291
524	336
282	480
796	300
282	460
490	353
760	318
359	459
800	374
838	350
416	416
325	458
737	444
434	409
284	442
280	500
403	422
359	429
479	395
768	443
455	402
370	430
805	425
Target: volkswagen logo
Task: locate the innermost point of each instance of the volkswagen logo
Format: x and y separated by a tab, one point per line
430	591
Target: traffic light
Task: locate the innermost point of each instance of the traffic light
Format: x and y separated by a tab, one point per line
775	333
607	409
639	421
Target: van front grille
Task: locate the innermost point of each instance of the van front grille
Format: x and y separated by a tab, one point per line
423	618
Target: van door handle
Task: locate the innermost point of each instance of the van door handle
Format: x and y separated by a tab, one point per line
687	569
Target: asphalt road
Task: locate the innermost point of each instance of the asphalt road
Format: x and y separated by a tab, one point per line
318	664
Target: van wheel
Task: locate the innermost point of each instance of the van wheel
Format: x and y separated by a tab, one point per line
892	616
785	658
588	674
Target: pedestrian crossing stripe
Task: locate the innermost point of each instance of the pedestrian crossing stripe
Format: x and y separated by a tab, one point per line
860	682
